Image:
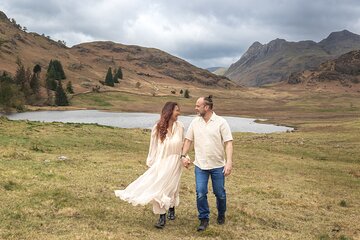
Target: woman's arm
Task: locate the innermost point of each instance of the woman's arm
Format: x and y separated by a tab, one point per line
152	148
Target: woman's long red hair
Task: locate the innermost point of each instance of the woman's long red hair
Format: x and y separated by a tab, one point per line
163	123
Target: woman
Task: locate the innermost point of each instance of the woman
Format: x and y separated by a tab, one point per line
159	185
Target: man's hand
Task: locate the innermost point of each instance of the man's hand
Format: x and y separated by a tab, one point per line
227	169
185	159
229	153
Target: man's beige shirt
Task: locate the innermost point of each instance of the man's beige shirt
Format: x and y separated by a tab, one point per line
209	138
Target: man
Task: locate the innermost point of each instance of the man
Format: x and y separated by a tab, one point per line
210	133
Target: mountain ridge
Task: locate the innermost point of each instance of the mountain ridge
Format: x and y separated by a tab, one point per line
274	62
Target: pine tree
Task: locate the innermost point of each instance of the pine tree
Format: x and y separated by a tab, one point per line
109	81
186	94
35	79
119	73
22	79
69	87
60	96
26	89
60	74
37	69
49	67
20	75
50	78
35	84
116	77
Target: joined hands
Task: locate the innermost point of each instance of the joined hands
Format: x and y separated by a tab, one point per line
186	161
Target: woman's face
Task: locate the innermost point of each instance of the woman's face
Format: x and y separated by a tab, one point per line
176	113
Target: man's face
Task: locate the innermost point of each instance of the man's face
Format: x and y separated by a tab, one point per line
200	107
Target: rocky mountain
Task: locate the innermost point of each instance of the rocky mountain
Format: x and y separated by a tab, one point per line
344	70
274	62
86	64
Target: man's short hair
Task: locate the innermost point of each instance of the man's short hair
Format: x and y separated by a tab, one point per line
208	101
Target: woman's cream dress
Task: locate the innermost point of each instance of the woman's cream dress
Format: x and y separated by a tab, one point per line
161	182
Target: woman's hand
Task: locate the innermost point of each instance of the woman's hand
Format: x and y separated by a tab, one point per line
186	161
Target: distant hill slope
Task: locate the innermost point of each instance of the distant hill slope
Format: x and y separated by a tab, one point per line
87	63
344	70
276	60
217	70
212	69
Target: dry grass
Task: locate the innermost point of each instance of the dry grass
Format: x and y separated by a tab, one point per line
300	185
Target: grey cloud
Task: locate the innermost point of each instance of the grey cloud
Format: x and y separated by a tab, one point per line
209	51
200	31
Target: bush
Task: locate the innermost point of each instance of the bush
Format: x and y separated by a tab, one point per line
69	87
11	96
343	203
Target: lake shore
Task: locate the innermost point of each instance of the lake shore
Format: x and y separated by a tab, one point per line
137	120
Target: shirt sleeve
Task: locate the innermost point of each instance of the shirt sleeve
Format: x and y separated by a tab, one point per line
225	131
190	132
152	148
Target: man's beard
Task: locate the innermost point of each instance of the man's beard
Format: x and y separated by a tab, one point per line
201	114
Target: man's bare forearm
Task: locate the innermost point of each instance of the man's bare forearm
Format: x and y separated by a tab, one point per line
229	151
186	147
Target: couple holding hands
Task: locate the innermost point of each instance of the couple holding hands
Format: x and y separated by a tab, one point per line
167	156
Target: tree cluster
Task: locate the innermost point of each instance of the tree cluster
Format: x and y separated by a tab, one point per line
55	74
23	88
113	77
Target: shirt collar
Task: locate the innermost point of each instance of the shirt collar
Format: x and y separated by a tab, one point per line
212	118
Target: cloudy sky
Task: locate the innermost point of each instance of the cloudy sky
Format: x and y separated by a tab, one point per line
205	33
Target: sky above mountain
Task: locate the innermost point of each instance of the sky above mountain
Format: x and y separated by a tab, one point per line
205	33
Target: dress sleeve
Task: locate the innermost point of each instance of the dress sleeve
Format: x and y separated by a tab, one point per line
153	147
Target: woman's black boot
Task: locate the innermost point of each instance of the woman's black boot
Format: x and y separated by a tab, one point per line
162	221
171	214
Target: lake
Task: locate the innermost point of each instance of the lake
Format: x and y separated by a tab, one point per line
136	120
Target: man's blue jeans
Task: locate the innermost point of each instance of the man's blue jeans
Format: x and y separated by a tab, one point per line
218	183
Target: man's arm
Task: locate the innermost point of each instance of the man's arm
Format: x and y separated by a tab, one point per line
184	151
229	153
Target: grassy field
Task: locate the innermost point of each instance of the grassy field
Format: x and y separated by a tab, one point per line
299	185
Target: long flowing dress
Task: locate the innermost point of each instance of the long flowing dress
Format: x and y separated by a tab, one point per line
160	184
